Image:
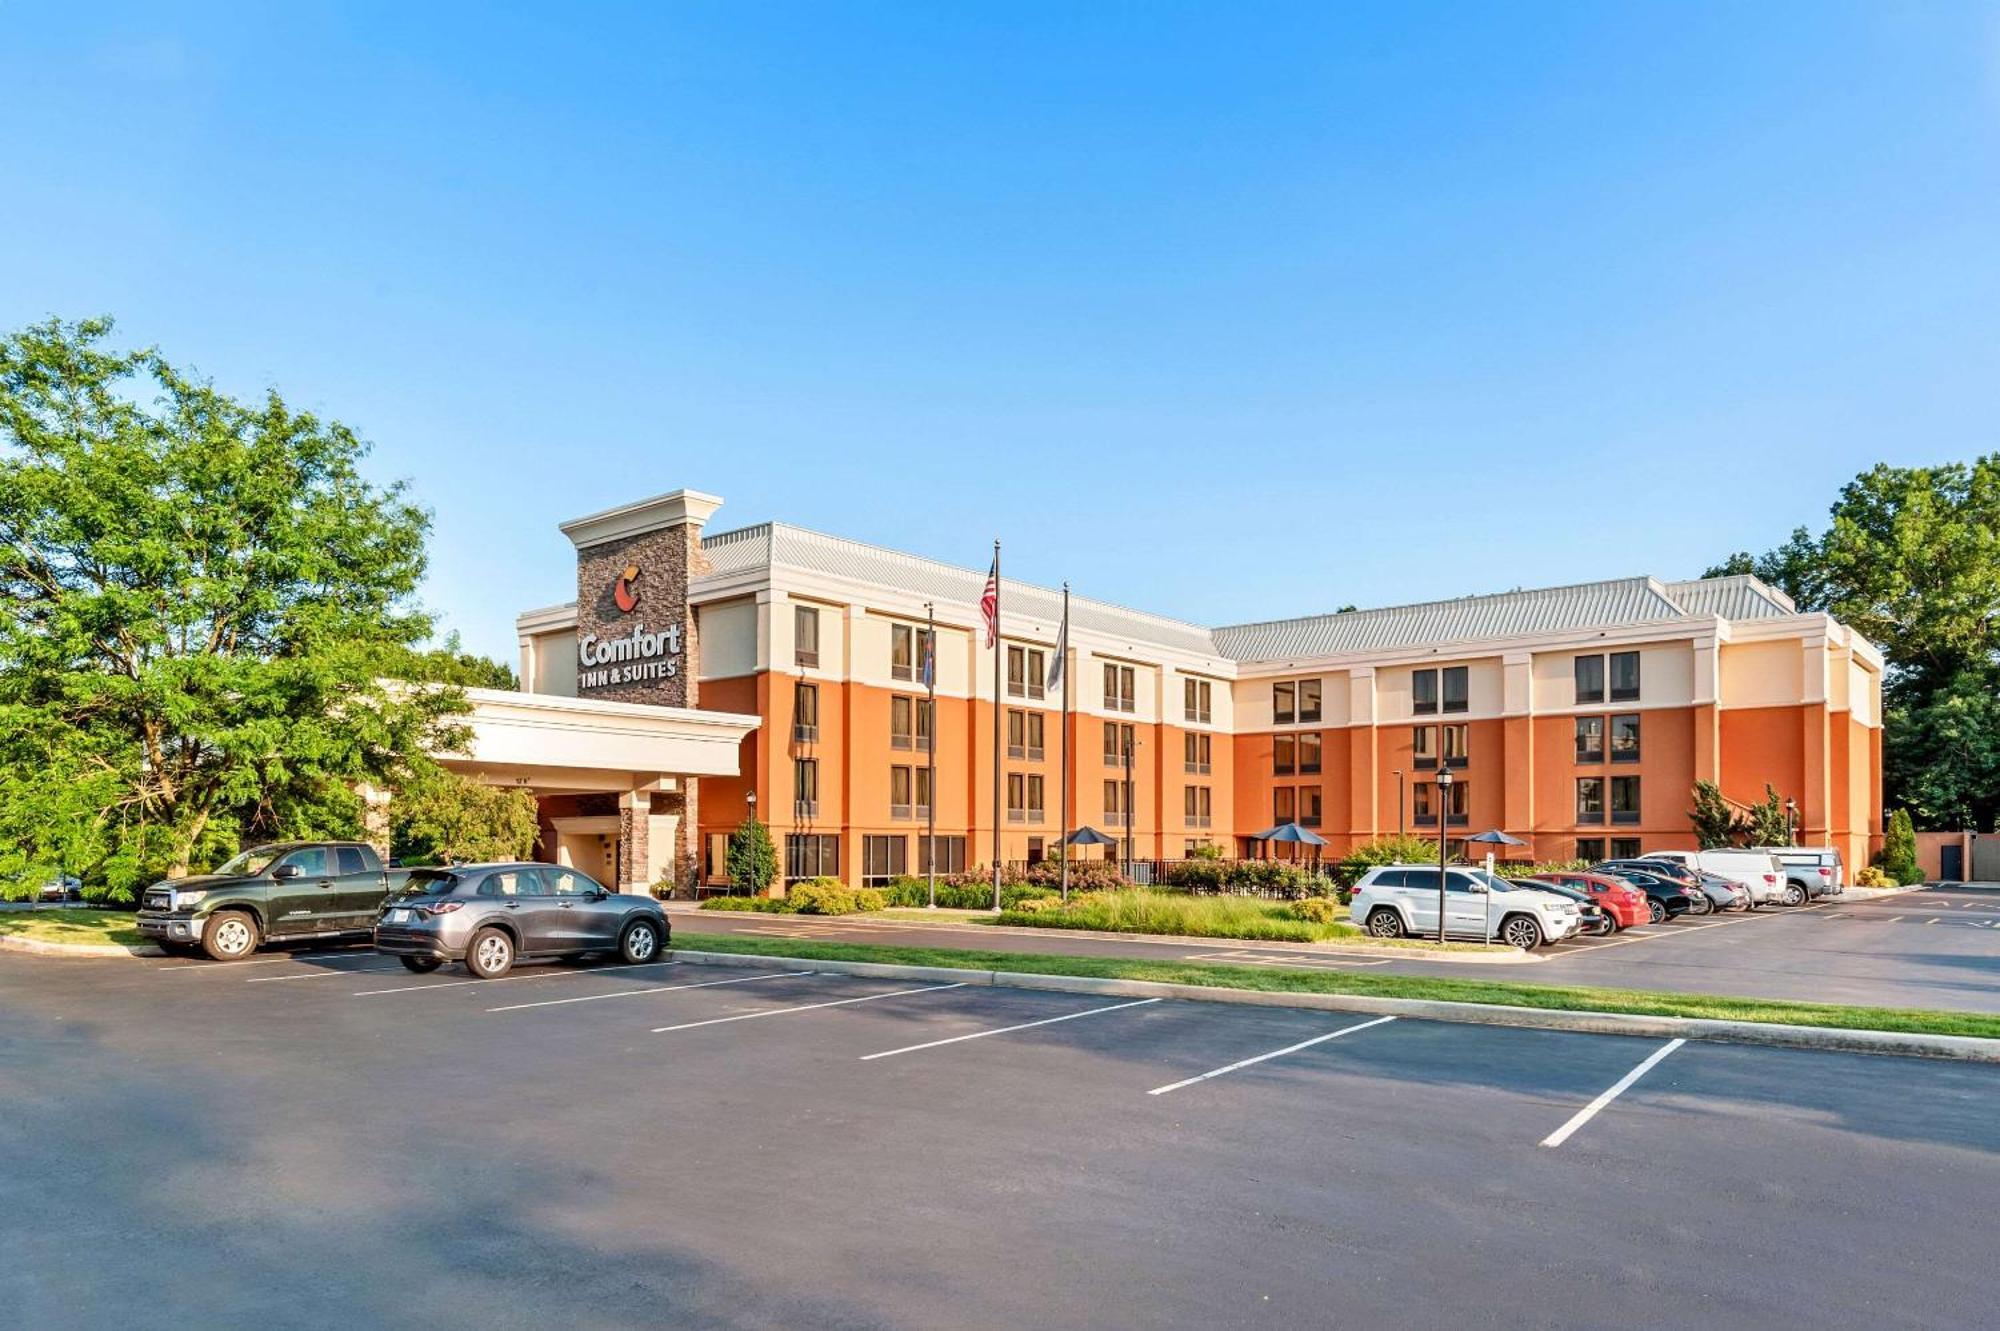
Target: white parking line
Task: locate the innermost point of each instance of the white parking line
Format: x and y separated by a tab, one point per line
224	967
806	1007
1275	1053
320	975
1589	1111
1003	1030
537	975
650	989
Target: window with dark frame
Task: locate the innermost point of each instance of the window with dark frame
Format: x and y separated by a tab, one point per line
1196	752
811	855
1117	739
1590	739
1458	804
1197	805
902	651
1035	808
1589	679
1120	688
1284	703
1455	754
1284	805
1624	676
1309	751
883	859
1284	755
1114	803
1424	692
923	784
1309	806
1590	799
1590	849
950	851
900	802
1423	803
1197	695
1624	799
1017	797
1309	700
902	721
805	787
805	636
1625	738
1423	747
805	712
1457	688
1625	848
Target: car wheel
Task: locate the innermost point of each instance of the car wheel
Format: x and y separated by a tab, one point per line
1795	895
1521	931
639	943
230	936
1611	925
490	955
1655	912
1699	904
1385	923
421	965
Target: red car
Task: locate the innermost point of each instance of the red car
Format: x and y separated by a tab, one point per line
1622	902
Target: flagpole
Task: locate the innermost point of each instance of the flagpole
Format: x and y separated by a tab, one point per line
930	689
1062	648
999	650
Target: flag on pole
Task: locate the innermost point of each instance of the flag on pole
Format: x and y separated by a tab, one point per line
1062	650
989	602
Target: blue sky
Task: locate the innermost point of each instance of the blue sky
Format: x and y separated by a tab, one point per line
1228	312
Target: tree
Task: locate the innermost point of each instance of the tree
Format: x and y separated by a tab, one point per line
752	860
438	816
1898	857
1911	561
1715	823
1766	823
450	663
205	599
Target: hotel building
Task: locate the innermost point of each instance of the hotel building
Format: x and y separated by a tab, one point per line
700	674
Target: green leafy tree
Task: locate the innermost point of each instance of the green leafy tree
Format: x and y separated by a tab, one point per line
1716	824
1898	857
440	817
450	663
1911	560
752	861
1386	850
205	600
1766	823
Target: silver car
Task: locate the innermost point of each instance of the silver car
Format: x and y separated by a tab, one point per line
491	915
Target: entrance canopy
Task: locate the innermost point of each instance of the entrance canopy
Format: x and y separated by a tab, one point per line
557	745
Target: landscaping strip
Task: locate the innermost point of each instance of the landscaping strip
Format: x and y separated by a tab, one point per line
72	933
1498	1002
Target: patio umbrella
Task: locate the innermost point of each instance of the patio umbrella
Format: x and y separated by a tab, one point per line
1494	838
1090	836
1293	834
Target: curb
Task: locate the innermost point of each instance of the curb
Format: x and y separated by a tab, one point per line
1965	1048
43	948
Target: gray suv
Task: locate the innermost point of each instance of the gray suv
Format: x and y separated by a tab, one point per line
491	915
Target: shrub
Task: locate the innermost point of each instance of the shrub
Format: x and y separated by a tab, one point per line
821	896
1279	878
1084	876
1317	910
767	905
752	861
958	892
1386	850
1143	910
1870	876
1037	905
1525	869
1898	856
870	898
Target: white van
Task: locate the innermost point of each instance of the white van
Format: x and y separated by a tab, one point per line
1757	870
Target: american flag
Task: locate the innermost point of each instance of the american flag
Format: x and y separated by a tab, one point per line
989	602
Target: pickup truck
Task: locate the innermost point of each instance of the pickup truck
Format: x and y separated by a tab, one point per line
292	891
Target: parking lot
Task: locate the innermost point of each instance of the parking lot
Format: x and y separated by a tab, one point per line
325	1139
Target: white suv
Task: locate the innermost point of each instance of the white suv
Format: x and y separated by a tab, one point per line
1398	900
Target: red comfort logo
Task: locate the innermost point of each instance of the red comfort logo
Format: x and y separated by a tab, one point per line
623	592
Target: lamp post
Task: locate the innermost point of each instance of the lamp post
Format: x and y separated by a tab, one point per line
1444	802
1791	825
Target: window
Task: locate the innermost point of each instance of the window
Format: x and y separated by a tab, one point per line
1309	747
805	787
1117	742
1035	806
1120	688
1458	806
1309	699
1309	806
902	721
805	712
805	636
1284	703
1590	849
1589	679
812	855
883	858
899	792
1624	848
1197	803
1423	802
1024	734
1590	799
310	862
1457	688
1017	797
1284	755
923	784
1114	803
1196	752
1424	692
1624	799
923	725
1035	852
950	854
902	651
350	860
1625	739
1624	676
1454	745
1423	747
1027	672
1285	805
1590	739
1197	695
514	883
567	883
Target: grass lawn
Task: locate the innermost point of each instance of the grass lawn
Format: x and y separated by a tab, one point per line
71	926
1566	998
1181	913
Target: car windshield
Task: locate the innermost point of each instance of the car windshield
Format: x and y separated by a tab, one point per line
427	883
1494	882
252	861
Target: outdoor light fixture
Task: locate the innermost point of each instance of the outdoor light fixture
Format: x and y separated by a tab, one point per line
1444	802
1791	822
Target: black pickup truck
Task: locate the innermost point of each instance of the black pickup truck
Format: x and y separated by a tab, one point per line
292	891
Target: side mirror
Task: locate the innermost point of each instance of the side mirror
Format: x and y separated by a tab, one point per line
284	871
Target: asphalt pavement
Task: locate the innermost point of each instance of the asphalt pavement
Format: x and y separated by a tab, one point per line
326	1140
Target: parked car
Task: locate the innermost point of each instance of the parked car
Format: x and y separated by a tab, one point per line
1685	878
1819	870
63	888
1666	899
1596	920
1761	875
490	916
1624	903
1723	893
292	891
1396	900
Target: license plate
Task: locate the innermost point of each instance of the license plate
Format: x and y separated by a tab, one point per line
397	916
